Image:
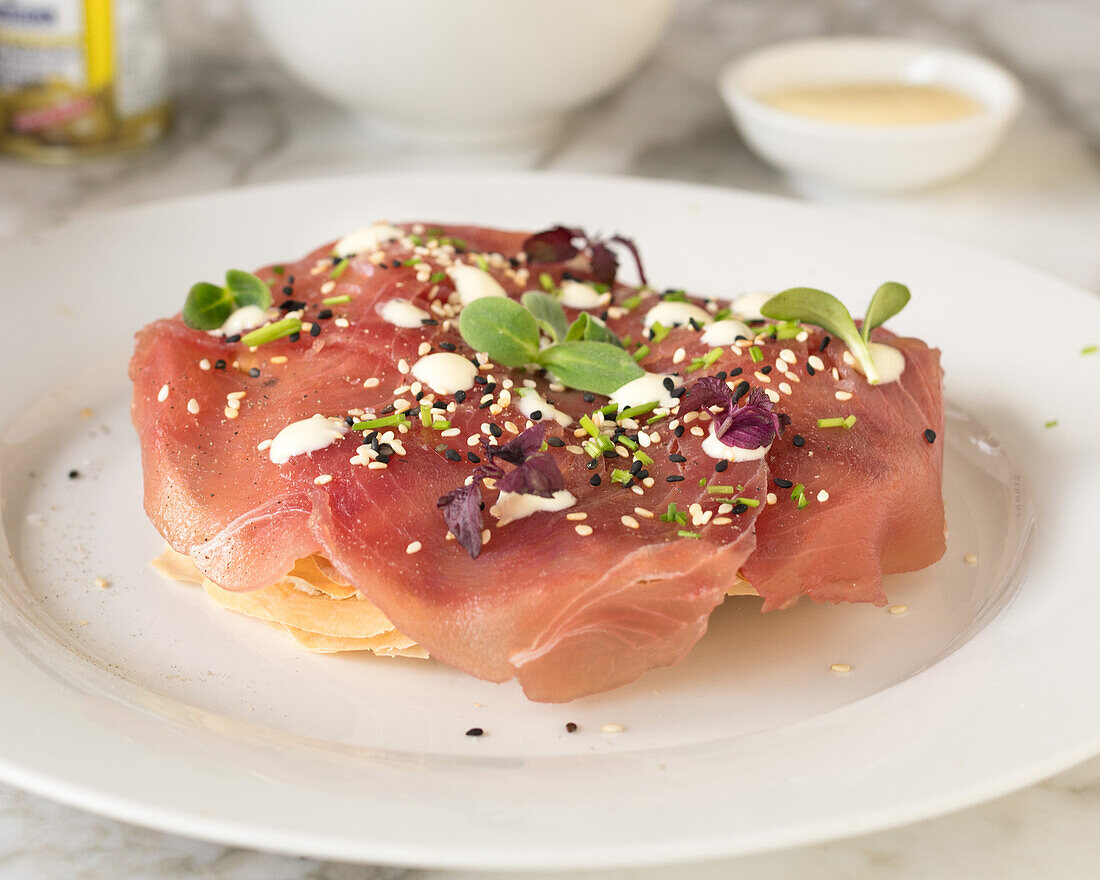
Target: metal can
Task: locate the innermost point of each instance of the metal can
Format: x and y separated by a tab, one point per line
81	77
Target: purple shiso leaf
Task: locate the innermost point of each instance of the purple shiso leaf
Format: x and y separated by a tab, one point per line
519	448
605	265
749	426
552	245
633	248
462	513
538	475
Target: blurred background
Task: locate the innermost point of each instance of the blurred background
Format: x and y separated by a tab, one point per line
258	91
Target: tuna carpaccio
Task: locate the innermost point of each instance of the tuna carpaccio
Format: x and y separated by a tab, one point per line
573	601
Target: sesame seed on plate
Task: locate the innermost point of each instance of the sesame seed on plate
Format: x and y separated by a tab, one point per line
898	609
841	667
611	728
823	495
971	559
414	547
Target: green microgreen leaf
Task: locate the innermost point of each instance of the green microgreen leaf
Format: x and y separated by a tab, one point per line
722	314
587	327
502	328
271	332
207	306
812	306
548	312
587	365
246	289
888	300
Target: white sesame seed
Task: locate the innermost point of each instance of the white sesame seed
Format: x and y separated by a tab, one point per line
377	465
403	366
583	530
322	480
233	403
971	559
162	395
898	609
784	387
231	413
511	426
425	347
473	440
816	362
841	667
725	507
763	377
835	374
101	583
328	286
696	431
450	432
772	498
803	335
679	355
823	495
649	482
773	395
847	358
843	395
788	356
485	536
637	490
642	511
204	364
576	516
721	521
414	547
576	450
193	406
611	728
235	395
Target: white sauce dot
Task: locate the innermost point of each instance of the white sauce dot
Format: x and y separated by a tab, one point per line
366	240
532	402
676	314
889	362
715	448
578	295
445	372
473	283
242	320
725	332
748	304
307	435
511	506
644	389
402	313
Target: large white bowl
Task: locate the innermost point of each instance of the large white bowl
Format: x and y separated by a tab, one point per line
869	157
475	70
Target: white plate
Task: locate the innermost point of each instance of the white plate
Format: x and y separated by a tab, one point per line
144	702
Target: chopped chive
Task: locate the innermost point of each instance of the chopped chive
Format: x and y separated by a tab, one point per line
670	514
798	491
748	502
684	534
656	418
849	421
437	277
482	263
642	457
620	476
592	448
711	356
627	341
604	443
600	287
546	281
627	442
756	354
384	422
441	425
339	268
1051	423
425	415
722	314
609	409
788	331
590	426
416	239
640	410
658	331
271	332
632	302
702	481
803	501
412	261
278	270
674	296
722	490
641	352
696	364
336	300
830	423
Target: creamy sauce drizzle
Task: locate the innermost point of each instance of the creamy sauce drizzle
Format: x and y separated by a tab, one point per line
307	435
445	372
748	304
875	103
578	295
644	389
725	332
366	240
530	401
675	314
474	283
241	321
402	313
517	505
715	448
889	362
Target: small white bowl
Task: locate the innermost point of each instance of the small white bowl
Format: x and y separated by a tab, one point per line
470	71
869	157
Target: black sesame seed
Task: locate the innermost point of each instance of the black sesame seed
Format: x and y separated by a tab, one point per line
695	325
219	364
595	480
420	395
591	465
603	315
384	448
674	478
349	420
678	430
254	372
678	392
382	457
782	484
291	305
825	342
395	263
588	396
490	388
387	409
429	322
721	375
741	390
473	457
798	440
721	466
447	346
555	441
289	279
570	727
236	337
453	455
536	415
485	404
74	474
636	467
315	330
480	380
495	430
475	731
929	435
294	337
676	457
810	369
739	508
460	396
324	314
766	370
643	474
288	290
736	371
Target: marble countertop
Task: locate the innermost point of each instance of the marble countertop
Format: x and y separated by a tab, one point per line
243	121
